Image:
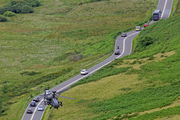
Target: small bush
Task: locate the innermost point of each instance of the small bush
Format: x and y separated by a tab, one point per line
9	14
146	41
140	62
134	62
3	18
17	7
151	58
22	8
26	9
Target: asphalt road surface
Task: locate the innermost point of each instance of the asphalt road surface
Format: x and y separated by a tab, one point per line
125	46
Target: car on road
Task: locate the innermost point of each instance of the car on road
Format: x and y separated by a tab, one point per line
146	24
117	52
33	104
40	108
118	46
138	28
29	111
157	15
36	99
123	35
84	72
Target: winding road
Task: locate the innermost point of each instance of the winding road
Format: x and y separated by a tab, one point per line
125	44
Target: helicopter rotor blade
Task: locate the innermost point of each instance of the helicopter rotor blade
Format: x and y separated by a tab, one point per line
65	97
62	91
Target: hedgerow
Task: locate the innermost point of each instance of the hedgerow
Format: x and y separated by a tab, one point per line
20	6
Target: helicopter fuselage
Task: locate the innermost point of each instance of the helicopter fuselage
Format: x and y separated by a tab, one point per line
52	101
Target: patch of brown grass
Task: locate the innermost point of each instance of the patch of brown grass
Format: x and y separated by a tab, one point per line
172	117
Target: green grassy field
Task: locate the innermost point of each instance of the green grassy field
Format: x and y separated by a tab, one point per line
55	42
147	90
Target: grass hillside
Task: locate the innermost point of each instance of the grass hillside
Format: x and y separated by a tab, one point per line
56	41
146	86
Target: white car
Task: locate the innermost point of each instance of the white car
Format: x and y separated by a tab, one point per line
84	72
48	92
40	108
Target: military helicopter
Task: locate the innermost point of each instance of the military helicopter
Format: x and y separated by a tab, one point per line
51	98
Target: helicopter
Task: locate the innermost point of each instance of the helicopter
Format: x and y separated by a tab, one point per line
51	98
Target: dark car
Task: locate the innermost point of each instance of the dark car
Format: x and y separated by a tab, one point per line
117	52
36	99
123	35
146	24
33	104
118	46
29	111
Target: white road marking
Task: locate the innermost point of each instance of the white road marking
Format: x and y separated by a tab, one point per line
164	8
35	109
43	112
124	44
